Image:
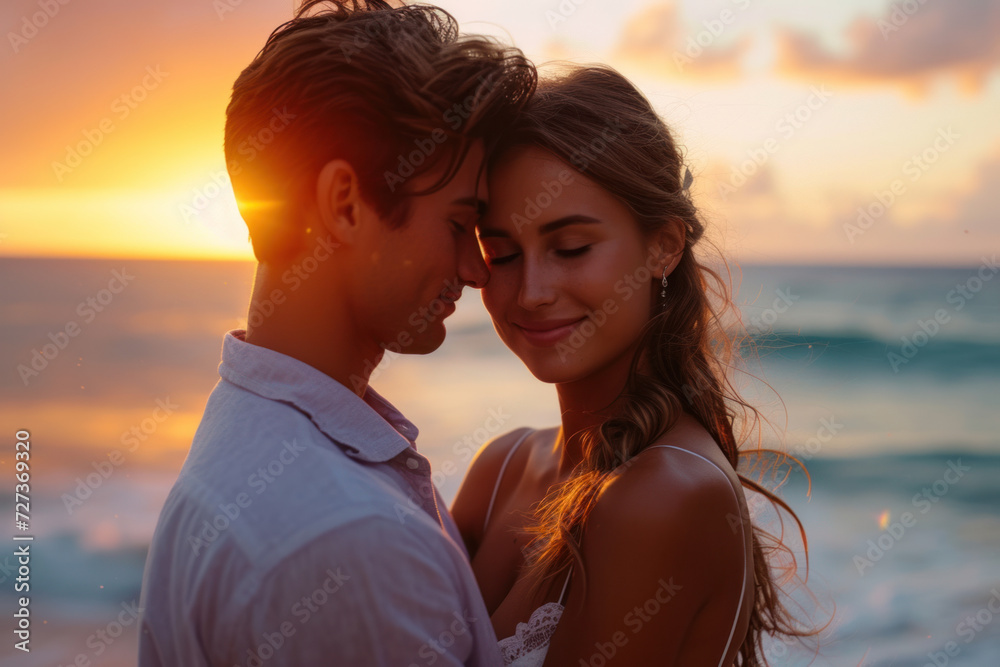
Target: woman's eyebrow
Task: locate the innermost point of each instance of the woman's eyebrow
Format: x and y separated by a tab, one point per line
565	221
547	228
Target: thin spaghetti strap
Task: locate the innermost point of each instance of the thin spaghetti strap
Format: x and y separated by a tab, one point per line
566	585
743	588
496	487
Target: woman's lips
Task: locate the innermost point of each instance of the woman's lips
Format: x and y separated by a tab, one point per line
547	333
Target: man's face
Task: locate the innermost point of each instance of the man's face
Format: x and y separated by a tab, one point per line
413	275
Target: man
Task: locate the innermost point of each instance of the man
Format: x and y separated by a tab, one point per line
304	528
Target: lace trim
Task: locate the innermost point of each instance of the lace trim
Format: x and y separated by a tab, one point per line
533	635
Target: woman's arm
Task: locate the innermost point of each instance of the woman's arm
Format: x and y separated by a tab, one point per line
469	507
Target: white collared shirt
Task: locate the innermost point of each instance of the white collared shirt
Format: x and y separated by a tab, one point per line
304	529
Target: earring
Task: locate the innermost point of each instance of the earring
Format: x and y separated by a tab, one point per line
663	292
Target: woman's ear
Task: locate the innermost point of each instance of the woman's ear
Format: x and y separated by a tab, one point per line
338	200
670	239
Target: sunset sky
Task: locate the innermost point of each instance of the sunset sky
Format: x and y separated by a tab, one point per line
824	105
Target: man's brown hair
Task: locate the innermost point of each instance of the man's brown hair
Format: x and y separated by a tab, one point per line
394	91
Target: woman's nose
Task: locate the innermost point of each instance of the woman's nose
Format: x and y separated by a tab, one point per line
537	287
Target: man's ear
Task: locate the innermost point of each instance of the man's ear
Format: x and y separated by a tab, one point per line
670	239
338	200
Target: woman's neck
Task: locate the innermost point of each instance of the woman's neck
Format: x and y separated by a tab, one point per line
587	403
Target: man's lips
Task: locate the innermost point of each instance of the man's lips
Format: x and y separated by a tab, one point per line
547	332
449	296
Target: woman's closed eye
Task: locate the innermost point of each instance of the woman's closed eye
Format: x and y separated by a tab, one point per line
565	253
573	252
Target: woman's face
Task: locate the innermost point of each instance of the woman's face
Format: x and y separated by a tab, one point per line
571	275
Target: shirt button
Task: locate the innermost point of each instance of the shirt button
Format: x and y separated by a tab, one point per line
412	463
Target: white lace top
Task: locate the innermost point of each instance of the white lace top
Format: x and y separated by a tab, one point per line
530	642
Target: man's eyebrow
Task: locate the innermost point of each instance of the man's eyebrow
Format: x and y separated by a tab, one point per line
547	228
474	202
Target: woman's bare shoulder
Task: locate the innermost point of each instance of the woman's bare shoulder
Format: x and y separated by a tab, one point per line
679	489
672	486
470	504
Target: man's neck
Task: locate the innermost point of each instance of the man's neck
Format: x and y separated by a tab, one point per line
316	331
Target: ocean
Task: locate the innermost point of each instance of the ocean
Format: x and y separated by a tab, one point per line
885	381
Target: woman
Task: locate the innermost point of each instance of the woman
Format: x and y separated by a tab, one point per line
622	533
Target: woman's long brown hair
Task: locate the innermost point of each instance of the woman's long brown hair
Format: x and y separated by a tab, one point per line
594	119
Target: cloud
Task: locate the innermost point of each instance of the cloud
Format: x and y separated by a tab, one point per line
962	226
978	208
913	43
757	222
750	219
655	39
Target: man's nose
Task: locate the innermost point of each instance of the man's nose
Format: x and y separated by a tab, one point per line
472	269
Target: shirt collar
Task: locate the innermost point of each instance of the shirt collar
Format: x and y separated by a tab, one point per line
369	428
